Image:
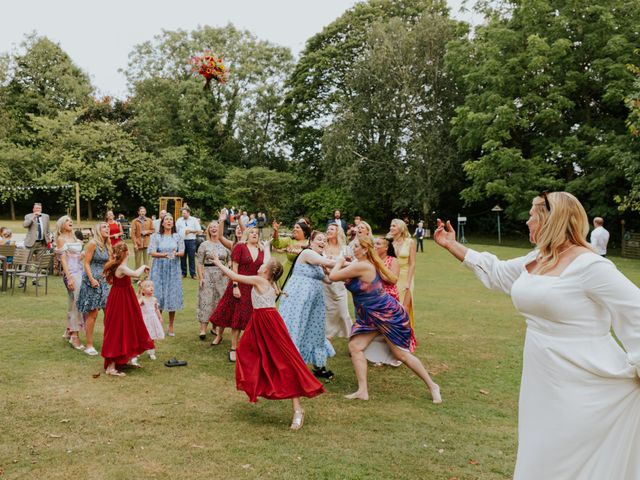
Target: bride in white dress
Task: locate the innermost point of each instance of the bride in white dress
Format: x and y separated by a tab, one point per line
579	414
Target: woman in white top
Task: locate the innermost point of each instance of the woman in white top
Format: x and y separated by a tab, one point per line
69	250
338	320
579	412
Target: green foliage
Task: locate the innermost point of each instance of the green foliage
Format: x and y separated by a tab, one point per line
259	189
545	83
321	203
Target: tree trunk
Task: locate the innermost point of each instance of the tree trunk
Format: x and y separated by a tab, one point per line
89	210
13	209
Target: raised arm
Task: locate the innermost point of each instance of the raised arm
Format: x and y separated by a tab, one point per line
314	258
125	271
236	277
353	270
28	220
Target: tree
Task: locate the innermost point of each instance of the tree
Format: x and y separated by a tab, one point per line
544	109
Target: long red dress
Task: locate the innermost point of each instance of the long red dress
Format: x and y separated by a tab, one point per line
268	364
231	311
125	334
114	227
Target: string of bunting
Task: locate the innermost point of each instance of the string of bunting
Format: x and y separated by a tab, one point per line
37	187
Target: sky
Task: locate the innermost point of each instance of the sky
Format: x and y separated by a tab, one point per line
99	35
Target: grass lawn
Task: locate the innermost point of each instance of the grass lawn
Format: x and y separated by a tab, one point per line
59	421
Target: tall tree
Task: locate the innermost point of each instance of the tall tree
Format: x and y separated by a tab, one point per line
544	109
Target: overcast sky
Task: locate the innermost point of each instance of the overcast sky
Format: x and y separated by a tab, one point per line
99	35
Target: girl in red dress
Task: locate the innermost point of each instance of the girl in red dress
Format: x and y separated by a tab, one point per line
234	309
125	334
115	228
268	363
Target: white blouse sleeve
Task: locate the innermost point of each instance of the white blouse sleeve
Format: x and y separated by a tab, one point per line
607	286
494	273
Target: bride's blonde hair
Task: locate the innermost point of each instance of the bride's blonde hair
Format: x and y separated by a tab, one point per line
565	221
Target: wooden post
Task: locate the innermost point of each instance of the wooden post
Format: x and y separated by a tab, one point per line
78	204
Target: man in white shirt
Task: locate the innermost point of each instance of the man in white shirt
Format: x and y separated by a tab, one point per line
599	237
188	226
157	222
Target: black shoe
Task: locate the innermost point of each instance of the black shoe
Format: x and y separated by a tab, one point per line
322	372
203	336
232	355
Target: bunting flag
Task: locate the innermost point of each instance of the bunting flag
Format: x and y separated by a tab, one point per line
37	187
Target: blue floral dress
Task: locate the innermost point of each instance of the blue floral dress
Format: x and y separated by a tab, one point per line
91	298
166	274
303	311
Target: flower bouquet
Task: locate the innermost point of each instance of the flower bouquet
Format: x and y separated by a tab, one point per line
210	66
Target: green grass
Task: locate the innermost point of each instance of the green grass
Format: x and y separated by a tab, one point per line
58	421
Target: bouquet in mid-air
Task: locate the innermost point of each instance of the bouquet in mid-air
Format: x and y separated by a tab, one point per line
210	66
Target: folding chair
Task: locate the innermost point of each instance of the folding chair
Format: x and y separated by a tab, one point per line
19	264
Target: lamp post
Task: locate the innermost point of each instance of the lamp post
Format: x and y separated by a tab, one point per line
497	209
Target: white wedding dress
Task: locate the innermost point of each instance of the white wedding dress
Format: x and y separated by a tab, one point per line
579	416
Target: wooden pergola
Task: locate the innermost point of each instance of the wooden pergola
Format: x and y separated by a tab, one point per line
164	202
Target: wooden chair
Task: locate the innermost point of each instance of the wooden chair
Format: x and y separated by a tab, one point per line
6	252
36	270
19	264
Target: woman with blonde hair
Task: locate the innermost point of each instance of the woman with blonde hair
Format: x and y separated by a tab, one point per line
211	280
377	312
580	392
338	321
94	289
69	251
405	249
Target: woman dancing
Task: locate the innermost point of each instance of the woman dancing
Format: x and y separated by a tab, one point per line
268	363
338	320
293	245
302	306
376	312
579	412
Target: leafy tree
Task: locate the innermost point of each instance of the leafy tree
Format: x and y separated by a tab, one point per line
544	109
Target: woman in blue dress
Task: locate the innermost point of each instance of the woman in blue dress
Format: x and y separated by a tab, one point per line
94	289
302	306
166	247
376	312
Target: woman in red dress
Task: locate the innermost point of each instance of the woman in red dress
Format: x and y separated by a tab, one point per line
115	228
269	364
125	334
235	307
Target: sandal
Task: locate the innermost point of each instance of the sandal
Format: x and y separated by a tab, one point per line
322	372
298	420
174	362
214	343
202	336
232	355
115	373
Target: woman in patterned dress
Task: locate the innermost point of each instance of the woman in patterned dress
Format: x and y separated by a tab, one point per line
69	250
94	289
378	352
302	306
212	281
338	320
376	312
235	308
166	247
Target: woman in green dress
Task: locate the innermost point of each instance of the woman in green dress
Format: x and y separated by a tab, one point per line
292	245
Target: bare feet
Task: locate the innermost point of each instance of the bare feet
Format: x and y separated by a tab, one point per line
358	395
298	420
115	373
435	393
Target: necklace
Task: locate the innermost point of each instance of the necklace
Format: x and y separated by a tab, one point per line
567	249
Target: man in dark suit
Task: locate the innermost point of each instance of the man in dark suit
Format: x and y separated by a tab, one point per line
337	218
38	234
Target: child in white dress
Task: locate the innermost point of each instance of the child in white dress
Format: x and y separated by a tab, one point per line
150	313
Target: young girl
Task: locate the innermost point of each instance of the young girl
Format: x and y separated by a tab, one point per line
267	362
150	313
125	334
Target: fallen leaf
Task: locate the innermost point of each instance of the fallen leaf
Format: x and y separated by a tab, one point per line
473	462
197	446
483	392
65	420
246	466
53	435
96	375
441	450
